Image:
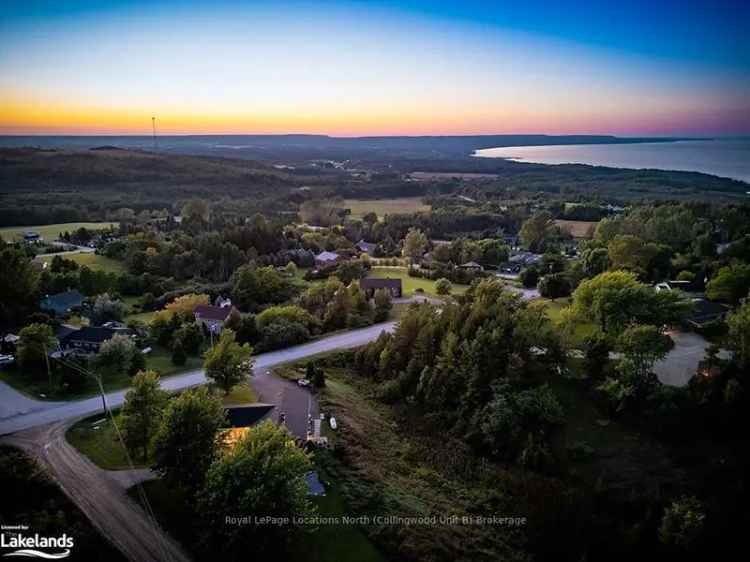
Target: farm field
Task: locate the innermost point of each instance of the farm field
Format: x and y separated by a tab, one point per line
578	229
410	284
52	231
93	261
382	207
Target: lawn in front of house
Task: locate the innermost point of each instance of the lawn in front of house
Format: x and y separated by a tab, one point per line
96	438
95	262
410	284
50	232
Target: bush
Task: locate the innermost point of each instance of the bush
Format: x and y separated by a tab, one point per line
443	286
281	334
554	286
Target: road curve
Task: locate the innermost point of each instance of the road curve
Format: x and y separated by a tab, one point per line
36	413
99	494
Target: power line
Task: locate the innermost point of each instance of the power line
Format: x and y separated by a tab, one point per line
161	541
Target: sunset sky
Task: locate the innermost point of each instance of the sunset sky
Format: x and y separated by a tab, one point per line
371	68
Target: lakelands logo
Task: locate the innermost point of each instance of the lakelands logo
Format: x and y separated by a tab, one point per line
29	546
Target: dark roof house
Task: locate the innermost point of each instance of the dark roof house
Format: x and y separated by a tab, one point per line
62	303
210	312
371	284
88	339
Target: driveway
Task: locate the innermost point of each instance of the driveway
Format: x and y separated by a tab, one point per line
25	413
680	364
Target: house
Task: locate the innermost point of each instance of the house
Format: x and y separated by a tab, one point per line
31	237
212	317
239	419
62	303
366	247
327	259
471	266
221	302
87	340
706	312
371	284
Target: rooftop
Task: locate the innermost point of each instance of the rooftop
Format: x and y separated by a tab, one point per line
210	312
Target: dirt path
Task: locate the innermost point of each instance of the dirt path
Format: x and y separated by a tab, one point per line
99	494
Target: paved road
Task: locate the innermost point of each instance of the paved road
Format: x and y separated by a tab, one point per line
100	494
20	412
680	364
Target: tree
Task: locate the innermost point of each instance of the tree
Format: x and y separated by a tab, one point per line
261	475
383	304
539	231
730	284
179	357
289	313
494	252
107	309
595	261
291	269
443	286
186	442
739	332
529	277
683	522
196	209
254	286
19	282
142	411
186	303
35	343
117	354
642	346
415	244
554	285
596	350
228	363
281	334
615	299
315	375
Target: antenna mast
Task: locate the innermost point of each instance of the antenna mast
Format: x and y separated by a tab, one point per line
153	127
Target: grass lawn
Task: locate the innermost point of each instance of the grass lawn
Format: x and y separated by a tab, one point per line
554	311
96	438
382	207
145	317
160	360
240	394
93	261
52	232
409	284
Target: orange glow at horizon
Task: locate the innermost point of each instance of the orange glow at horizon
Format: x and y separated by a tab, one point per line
30	117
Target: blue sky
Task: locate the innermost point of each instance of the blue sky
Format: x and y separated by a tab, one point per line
659	67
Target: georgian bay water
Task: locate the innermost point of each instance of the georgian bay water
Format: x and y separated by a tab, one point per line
729	158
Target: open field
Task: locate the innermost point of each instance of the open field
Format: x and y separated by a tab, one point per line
382	207
93	261
410	284
51	231
578	229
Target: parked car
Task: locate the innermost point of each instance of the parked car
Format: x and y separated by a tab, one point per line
7	360
303	382
333	423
